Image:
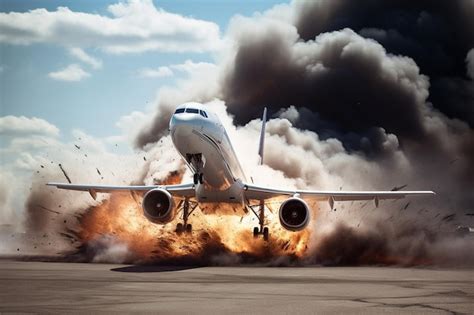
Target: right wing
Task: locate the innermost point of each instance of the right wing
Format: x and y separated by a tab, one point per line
262	193
181	190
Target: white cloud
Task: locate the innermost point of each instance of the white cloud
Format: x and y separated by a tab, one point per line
13	125
134	26
72	72
189	67
194	67
155	73
84	57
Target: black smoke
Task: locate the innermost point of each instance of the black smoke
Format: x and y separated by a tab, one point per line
383	77
437	34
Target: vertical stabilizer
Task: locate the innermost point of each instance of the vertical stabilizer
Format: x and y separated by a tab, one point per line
262	136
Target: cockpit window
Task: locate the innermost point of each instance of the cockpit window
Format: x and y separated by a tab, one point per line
203	113
179	111
192	110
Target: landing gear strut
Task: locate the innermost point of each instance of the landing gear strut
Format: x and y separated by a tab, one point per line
260	230
187	210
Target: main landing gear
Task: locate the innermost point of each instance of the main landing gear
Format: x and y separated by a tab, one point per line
185	227
260	230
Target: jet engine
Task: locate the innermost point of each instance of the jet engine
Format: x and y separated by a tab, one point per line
294	214
158	206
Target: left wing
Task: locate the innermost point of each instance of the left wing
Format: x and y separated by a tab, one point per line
181	190
262	193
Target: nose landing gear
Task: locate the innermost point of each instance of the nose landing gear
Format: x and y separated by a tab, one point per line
198	178
197	161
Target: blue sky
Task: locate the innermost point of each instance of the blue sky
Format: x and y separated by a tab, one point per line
105	92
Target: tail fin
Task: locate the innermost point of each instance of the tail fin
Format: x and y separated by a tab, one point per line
262	136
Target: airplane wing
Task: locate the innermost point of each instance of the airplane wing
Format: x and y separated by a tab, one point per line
181	190
262	193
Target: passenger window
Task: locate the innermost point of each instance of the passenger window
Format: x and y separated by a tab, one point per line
192	110
203	113
179	111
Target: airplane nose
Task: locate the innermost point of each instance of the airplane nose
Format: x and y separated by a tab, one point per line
181	125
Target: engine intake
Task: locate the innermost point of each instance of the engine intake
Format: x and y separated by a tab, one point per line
158	206
294	214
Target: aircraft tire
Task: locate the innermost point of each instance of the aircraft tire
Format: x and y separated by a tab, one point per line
265	233
179	228
255	232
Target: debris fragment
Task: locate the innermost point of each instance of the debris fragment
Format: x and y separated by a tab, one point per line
144	158
397	188
78	147
65	174
448	217
44	208
285	244
98	172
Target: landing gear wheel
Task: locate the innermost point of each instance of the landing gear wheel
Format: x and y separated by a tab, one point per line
201	180
265	233
196	178
179	228
189	228
255	232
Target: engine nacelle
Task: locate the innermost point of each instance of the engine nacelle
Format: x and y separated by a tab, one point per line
158	206
294	214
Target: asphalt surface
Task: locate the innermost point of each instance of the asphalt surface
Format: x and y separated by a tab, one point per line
64	287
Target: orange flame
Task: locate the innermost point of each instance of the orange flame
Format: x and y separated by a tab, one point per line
213	233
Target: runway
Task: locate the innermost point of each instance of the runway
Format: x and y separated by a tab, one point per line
64	287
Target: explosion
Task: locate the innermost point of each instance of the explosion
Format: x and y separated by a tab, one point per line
219	236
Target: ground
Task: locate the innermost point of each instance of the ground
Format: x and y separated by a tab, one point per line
64	287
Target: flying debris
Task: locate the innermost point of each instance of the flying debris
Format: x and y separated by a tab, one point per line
98	172
44	208
78	147
65	174
397	188
448	217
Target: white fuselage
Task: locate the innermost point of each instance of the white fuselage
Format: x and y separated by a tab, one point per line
203	143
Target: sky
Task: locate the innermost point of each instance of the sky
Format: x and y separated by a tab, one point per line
76	84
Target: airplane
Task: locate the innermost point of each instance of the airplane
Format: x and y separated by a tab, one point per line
202	141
